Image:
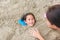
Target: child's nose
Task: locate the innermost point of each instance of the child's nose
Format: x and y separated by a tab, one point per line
30	20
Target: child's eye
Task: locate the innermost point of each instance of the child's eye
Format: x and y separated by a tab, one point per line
28	19
32	19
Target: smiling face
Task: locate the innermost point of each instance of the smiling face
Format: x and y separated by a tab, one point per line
30	20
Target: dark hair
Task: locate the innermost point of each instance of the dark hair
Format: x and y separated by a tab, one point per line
53	15
24	16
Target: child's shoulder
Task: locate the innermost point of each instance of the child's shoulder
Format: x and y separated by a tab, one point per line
52	34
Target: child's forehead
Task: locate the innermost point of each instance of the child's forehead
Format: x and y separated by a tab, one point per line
29	15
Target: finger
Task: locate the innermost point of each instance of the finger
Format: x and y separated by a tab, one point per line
36	29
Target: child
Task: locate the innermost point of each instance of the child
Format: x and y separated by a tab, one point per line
27	19
53	21
53	17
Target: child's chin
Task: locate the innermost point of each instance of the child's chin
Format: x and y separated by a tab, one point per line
30	25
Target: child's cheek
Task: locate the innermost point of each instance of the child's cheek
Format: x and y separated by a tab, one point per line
48	23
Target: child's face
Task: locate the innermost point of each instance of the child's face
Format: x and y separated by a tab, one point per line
30	20
51	25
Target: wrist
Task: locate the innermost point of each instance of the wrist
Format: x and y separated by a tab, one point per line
40	37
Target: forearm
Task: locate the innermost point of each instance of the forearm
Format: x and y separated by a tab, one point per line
40	37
